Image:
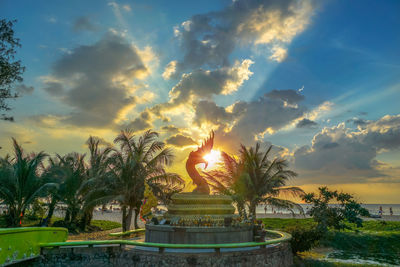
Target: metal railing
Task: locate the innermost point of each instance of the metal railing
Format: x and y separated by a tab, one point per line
162	246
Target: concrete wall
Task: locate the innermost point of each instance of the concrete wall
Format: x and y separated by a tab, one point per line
271	256
198	235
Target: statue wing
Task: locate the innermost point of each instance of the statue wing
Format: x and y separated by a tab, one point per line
207	145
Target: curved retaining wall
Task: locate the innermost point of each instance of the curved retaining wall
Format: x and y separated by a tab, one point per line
198	235
272	255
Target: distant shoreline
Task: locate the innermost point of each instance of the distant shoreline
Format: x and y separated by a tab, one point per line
394	218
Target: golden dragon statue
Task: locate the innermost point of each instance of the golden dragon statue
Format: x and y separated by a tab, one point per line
197	157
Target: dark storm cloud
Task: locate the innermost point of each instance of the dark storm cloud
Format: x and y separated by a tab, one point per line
91	76
180	140
84	24
306	123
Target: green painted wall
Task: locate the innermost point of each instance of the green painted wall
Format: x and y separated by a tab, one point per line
23	243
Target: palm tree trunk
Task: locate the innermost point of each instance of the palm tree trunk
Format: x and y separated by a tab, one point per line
123	218
129	219
252	209
67	215
52	207
136	217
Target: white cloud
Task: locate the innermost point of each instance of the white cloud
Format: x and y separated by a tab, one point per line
342	152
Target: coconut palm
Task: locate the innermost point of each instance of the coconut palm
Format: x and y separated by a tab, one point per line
254	179
138	161
20	182
74	168
228	180
97	168
265	180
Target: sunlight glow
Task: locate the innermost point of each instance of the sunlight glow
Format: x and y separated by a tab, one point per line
213	158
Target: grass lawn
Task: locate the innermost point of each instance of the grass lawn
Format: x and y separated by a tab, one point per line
376	241
102	224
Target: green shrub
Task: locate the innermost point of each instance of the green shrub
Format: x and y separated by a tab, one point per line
304	238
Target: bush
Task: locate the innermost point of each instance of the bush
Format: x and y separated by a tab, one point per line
346	209
304	239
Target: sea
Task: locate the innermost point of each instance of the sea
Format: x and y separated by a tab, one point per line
372	208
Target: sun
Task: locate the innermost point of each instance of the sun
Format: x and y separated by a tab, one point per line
213	158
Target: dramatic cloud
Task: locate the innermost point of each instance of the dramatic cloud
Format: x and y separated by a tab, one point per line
209	39
357	121
306	123
340	151
208	111
244	121
180	140
170	129
54	88
84	24
269	113
204	84
142	122
23	89
97	81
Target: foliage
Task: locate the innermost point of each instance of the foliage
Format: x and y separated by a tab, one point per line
255	179
138	161
228	180
20	182
347	209
37	210
305	234
10	69
151	201
303	238
376	240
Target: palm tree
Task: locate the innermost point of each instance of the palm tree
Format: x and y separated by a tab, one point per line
138	161
254	179
20	182
265	180
97	168
56	174
228	180
74	168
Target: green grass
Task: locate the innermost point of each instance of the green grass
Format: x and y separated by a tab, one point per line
323	263
102	224
105	225
376	240
283	224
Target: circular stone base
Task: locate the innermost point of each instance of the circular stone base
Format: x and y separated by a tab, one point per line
198	235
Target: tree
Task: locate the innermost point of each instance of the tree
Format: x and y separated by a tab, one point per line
20	182
74	168
228	180
345	210
265	180
138	161
10	69
254	179
98	166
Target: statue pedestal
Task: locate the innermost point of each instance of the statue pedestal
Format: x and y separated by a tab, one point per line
200	219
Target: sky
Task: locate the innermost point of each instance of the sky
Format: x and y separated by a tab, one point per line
318	80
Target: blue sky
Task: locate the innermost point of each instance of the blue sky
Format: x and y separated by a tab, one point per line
319	80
